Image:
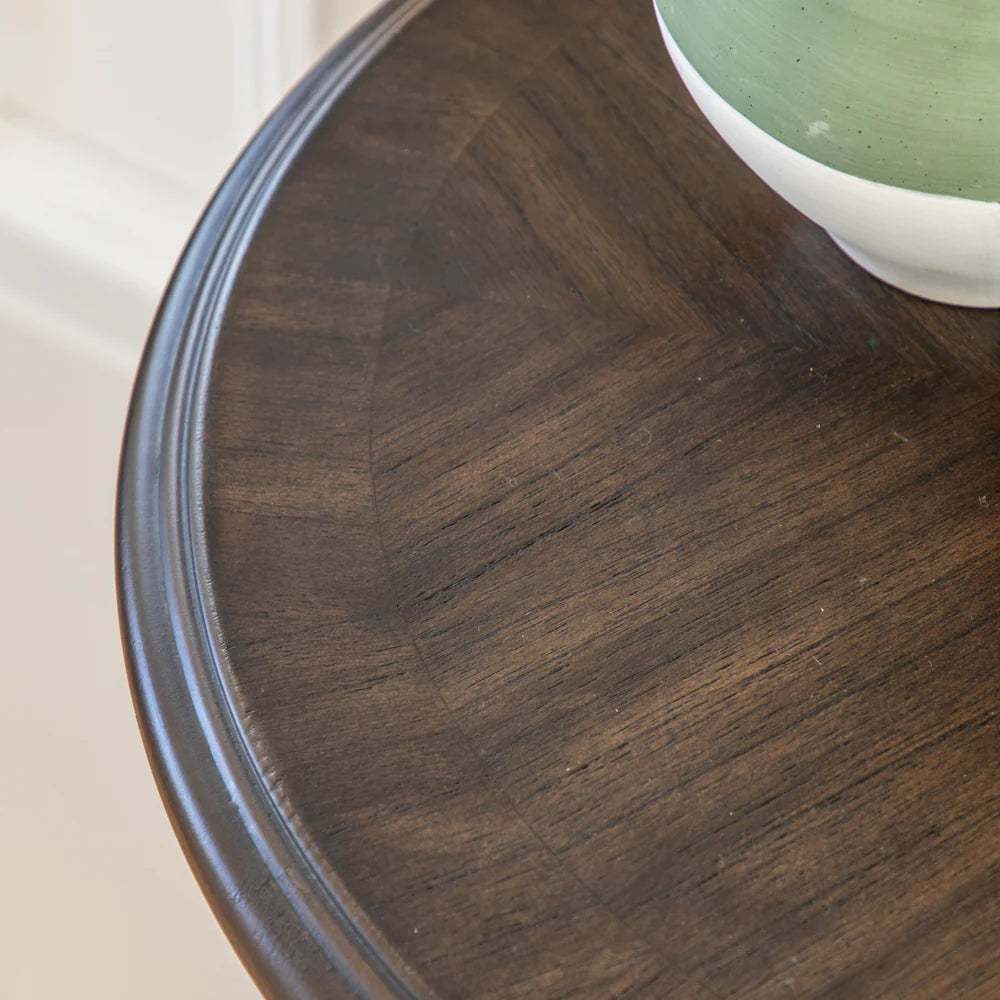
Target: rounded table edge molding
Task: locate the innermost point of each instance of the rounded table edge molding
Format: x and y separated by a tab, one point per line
247	860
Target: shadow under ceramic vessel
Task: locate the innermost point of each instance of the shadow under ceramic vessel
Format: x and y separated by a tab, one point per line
880	122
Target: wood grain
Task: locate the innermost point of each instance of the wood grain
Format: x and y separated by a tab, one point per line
606	567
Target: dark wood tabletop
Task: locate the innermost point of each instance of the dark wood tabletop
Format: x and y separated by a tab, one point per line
548	567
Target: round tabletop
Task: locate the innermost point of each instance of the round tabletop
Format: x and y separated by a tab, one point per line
548	567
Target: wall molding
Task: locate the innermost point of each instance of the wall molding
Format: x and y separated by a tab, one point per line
86	242
272	48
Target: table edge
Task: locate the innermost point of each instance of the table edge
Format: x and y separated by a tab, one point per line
299	935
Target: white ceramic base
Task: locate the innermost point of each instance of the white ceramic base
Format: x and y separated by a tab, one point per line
935	246
938	286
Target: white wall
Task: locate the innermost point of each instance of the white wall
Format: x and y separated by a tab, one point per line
172	88
117	118
160	86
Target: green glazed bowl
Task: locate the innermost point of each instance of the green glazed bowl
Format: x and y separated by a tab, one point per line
879	119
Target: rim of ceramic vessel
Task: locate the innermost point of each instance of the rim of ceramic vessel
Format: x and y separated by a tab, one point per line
910	102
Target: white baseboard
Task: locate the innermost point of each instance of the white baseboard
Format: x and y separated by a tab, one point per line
87	243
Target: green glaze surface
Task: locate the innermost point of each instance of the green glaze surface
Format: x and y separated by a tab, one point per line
906	92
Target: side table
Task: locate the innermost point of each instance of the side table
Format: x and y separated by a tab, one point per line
548	567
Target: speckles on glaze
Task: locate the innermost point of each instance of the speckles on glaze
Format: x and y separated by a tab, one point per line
905	92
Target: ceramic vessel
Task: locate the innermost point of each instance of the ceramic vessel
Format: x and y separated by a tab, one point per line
879	121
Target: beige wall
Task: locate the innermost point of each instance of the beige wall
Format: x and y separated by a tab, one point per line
172	88
117	120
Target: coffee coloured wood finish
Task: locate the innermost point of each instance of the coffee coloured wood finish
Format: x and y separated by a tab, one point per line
549	568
